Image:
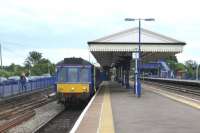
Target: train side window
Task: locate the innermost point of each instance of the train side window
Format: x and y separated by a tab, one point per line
72	74
84	75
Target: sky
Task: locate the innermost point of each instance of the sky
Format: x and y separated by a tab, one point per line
62	28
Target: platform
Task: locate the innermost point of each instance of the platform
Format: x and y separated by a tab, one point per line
116	109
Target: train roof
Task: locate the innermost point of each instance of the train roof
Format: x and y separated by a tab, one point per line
73	61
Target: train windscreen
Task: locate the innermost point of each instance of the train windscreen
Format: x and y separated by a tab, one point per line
72	74
84	75
62	74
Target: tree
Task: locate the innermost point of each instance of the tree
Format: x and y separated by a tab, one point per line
190	63
27	65
12	70
12	67
172	58
172	64
34	64
33	58
191	66
4	73
180	66
44	66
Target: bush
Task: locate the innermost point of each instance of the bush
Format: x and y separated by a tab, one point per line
6	74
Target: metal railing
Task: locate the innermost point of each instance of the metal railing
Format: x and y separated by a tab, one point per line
12	89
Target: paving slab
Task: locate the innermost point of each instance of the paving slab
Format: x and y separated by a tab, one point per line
151	113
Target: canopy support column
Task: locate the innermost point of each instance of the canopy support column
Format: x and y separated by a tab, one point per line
123	76
127	76
118	74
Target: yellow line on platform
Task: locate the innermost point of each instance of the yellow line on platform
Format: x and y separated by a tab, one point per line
106	124
176	97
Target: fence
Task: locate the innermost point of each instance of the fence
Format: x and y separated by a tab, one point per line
12	89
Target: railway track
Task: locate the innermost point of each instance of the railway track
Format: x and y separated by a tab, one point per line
16	121
18	101
63	122
9	114
16	113
178	88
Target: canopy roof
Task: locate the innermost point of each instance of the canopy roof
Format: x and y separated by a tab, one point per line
119	47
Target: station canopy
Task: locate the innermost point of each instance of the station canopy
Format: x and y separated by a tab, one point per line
118	48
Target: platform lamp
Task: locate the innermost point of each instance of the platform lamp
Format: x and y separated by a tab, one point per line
137	82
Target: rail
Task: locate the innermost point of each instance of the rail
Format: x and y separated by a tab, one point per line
179	88
174	81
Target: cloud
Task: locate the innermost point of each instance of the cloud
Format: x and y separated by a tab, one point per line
56	24
190	52
54	55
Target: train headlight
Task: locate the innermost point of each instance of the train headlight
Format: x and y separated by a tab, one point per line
72	88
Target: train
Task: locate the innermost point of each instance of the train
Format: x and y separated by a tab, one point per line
76	80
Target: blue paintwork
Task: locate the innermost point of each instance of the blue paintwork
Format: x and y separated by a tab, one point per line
103	76
7	90
161	65
90	73
150	66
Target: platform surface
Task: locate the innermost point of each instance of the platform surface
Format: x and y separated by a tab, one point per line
152	113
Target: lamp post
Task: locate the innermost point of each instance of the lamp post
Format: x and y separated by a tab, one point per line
137	82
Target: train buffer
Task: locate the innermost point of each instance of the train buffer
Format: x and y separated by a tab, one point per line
116	109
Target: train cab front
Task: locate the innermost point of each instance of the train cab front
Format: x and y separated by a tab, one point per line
73	82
